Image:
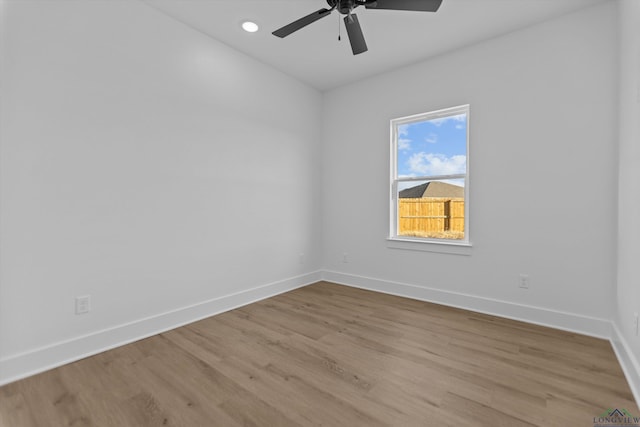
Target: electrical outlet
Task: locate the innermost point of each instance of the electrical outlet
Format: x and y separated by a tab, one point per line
345	258
83	304
523	281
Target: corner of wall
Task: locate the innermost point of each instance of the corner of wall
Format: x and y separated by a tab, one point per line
628	362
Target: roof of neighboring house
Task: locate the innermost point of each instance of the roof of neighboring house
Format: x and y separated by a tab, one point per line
432	189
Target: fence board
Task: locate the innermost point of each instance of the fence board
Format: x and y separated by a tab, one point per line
431	215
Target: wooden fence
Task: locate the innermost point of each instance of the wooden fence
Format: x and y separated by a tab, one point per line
431	217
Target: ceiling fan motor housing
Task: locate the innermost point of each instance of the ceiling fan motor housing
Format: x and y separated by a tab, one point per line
344	6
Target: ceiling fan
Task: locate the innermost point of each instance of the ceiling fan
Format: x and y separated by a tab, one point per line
346	7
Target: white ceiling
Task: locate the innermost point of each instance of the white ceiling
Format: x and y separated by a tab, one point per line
395	38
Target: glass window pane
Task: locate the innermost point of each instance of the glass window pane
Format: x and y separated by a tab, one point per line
432	147
432	209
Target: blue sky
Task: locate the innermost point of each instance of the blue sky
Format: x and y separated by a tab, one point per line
433	147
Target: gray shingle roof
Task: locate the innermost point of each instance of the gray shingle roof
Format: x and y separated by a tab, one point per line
432	189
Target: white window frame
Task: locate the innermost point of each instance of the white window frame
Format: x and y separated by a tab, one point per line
418	243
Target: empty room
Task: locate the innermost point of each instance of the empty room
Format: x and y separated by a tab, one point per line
319	212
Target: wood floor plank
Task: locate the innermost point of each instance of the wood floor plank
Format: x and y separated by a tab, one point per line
14	410
330	355
478	414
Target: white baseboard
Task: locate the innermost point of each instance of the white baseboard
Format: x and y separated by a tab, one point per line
22	365
585	325
628	362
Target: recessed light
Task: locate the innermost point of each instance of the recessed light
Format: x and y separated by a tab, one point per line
250	27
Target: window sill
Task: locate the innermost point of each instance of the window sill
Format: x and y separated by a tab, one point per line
454	248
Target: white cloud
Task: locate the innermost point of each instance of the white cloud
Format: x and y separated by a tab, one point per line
432	138
403	130
404	144
437	164
440	122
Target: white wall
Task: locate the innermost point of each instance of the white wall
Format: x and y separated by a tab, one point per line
543	172
146	165
628	295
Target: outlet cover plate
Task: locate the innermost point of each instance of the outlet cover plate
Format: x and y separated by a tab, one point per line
83	304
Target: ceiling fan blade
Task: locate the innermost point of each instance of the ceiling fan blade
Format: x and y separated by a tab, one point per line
415	5
302	22
356	38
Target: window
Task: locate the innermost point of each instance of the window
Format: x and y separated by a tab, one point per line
429	177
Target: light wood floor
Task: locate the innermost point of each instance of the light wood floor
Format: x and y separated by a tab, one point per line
333	356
